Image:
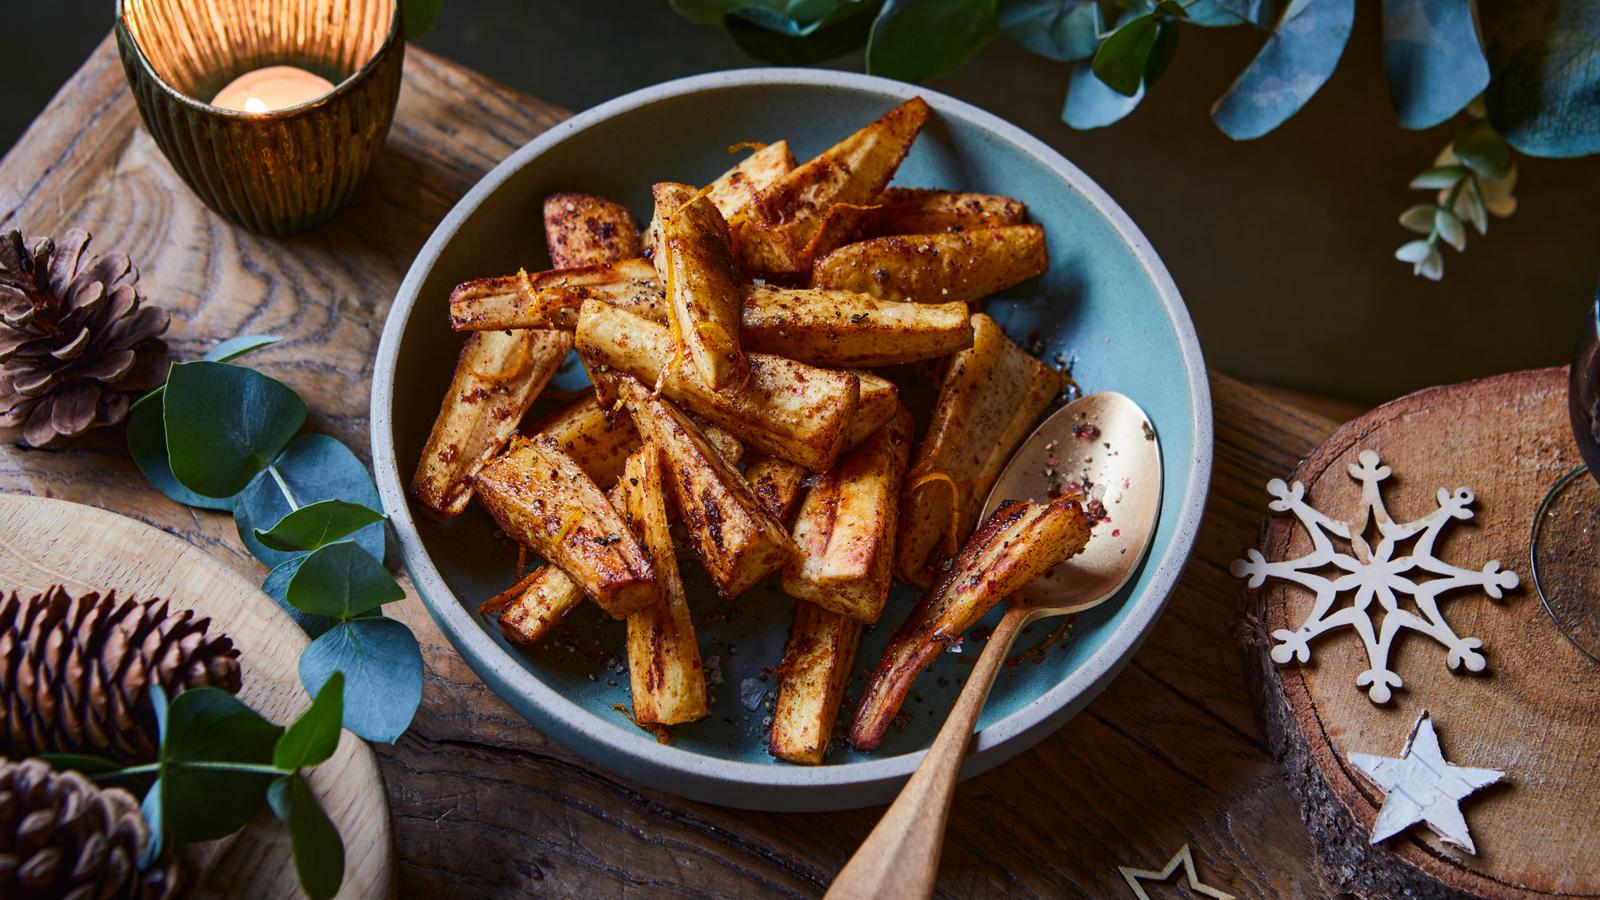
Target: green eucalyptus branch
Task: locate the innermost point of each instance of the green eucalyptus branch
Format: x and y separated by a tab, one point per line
1472	178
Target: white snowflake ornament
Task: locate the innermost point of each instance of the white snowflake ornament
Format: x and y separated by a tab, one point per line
1380	573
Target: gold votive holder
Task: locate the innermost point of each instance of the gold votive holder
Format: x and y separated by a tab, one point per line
282	171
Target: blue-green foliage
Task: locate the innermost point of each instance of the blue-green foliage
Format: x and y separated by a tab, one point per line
1297	59
222	436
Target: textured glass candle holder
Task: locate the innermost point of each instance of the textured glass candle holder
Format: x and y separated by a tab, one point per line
282	171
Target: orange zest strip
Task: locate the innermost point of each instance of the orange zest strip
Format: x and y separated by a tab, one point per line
568	525
747	145
951	542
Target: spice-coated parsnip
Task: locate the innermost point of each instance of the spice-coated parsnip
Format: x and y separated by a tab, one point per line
581	229
901	210
789	409
544	501
989	399
552	299
811	681
695	261
1019	542
936	268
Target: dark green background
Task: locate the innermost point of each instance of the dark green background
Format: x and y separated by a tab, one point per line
1282	246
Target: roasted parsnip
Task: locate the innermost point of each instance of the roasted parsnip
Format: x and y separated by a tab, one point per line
695	261
738	187
879	402
777	483
989	398
581	229
597	438
664	673
780	231
788	409
544	501
1019	542
498	375
901	210
552	299
811	682
529	609
841	329
846	527
936	268
737	541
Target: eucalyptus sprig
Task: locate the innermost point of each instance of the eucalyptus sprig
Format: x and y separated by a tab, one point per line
1472	178
219	761
226	437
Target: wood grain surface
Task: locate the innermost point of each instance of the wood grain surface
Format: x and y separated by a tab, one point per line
45	542
483	803
1534	712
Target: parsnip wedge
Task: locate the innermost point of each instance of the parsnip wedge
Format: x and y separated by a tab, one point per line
879	402
531	608
664	672
989	398
811	682
597	438
543	500
846	527
738	187
777	483
581	229
1019	542
778	232
552	299
901	210
737	541
936	268
695	261
498	375
788	409
841	329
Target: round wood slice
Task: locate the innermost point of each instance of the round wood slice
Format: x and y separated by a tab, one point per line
1534	712
44	542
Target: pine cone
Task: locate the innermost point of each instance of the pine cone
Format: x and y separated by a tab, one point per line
62	836
74	672
75	340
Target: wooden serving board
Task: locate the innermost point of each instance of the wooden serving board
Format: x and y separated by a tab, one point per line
1534	712
45	542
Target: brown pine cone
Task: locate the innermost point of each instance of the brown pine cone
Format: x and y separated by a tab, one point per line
74	672
76	340
63	836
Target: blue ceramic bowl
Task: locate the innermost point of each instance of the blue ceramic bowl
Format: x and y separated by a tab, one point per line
1107	302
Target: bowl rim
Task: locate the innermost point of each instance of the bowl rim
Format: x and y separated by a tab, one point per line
991	745
392	37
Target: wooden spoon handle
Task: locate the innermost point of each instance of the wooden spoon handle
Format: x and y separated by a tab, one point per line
900	858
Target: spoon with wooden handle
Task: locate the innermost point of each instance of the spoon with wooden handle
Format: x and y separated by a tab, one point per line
1104	443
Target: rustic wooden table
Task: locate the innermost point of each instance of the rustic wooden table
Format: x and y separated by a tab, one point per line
483	803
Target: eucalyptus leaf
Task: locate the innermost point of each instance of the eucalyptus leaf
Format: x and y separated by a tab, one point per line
276	586
1432	59
87	763
1302	52
1469	207
317	525
340	581
1545	56
419	16
1212	14
383	669
794	18
825	43
318	849
1090	104
1062	30
1439	178
1450	229
151	810
1413	251
1260	13
1161	54
147	444
314	467
313	737
207	725
235	347
1431	266
1482	150
225	424
1419	218
1125	54
914	40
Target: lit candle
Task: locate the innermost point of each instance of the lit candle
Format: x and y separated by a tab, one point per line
274	87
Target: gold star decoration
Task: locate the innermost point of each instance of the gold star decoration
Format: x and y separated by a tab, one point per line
1183	857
